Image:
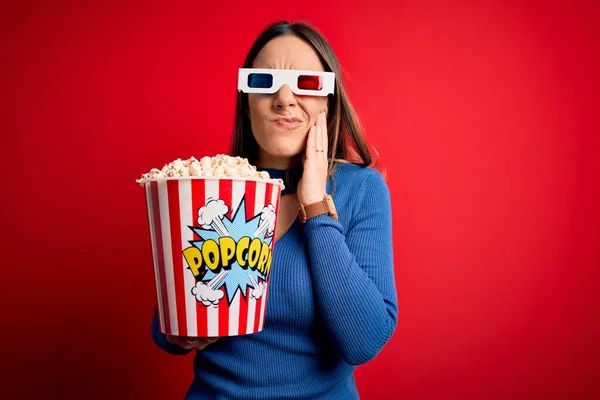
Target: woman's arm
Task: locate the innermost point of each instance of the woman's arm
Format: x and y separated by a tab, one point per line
353	276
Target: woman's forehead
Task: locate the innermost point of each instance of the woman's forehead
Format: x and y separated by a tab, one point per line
288	52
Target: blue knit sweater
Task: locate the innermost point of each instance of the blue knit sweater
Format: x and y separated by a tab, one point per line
332	305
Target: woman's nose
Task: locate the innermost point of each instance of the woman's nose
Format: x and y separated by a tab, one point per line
285	97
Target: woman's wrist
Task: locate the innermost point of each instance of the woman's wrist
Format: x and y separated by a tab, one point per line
325	206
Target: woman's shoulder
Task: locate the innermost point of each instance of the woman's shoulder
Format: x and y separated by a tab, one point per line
357	186
353	179
357	175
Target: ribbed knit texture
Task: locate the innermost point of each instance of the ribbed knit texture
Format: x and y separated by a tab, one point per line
331	305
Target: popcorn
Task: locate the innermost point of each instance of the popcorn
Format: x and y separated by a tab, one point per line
220	165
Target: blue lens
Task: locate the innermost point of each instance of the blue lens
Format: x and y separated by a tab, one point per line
260	81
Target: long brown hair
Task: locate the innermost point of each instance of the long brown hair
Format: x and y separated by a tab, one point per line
346	143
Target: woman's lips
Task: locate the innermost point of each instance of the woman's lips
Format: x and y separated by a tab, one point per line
288	123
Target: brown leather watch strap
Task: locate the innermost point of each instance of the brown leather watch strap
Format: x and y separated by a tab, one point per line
324	206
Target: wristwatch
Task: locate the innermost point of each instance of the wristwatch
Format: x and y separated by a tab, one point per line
324	206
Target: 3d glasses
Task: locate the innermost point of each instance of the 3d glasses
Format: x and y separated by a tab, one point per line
269	81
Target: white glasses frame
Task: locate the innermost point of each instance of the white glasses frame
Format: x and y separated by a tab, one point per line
286	77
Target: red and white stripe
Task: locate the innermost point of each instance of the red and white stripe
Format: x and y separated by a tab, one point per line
187	218
275	191
250	198
237	195
198	200
212	191
155	256
173	207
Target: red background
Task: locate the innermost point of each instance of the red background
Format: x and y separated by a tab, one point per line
485	115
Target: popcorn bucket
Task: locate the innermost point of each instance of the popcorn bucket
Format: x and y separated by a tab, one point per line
212	246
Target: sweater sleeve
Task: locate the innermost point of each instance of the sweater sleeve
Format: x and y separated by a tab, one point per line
161	339
353	275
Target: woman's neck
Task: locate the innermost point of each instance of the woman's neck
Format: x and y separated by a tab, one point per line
273	162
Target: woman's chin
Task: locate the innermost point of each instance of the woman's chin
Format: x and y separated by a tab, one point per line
286	151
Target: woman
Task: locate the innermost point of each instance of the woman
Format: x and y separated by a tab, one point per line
332	298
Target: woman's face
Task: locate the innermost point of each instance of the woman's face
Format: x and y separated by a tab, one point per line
281	121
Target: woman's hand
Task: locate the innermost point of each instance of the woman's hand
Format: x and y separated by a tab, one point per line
186	342
312	186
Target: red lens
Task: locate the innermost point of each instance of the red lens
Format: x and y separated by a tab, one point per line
310	82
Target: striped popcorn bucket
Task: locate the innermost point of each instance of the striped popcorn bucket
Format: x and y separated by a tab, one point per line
212	245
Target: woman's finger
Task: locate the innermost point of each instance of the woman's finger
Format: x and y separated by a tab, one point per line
324	133
318	139
310	142
205	342
187	342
